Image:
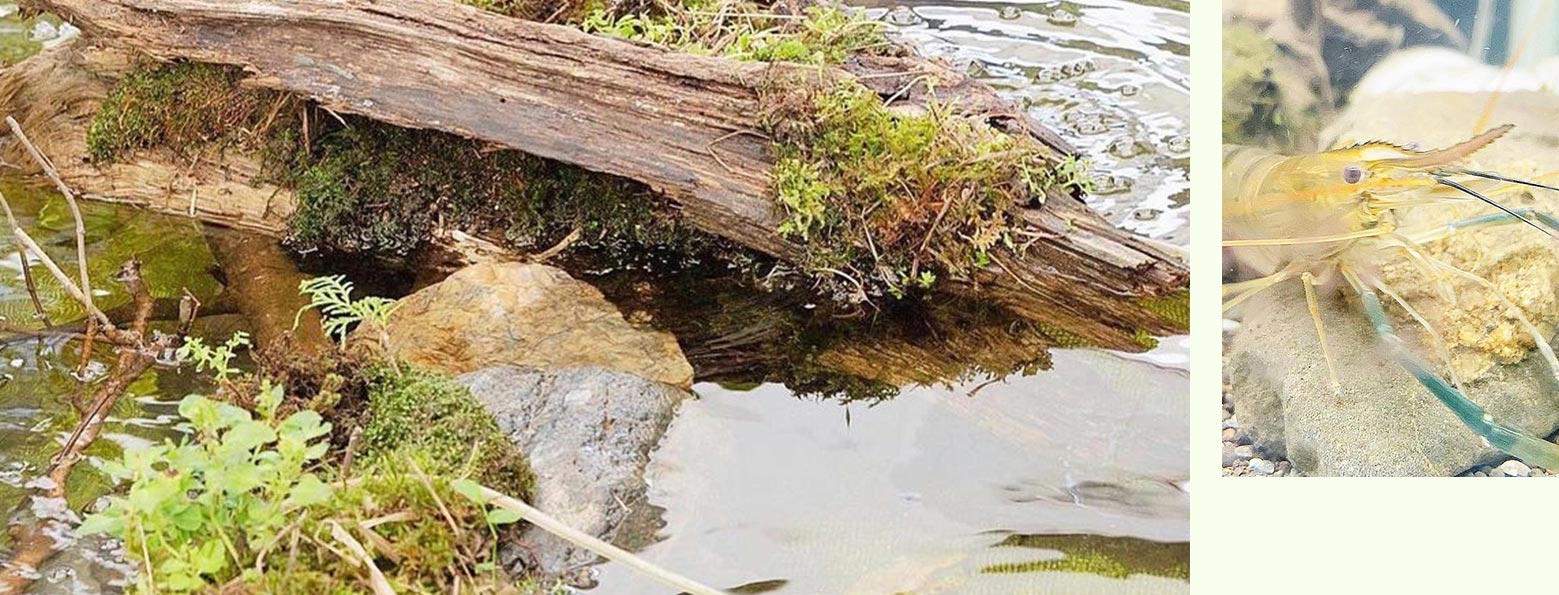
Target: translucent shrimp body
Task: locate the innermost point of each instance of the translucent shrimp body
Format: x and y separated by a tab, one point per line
1329	217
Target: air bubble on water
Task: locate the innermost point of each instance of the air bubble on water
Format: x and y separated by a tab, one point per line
1125	148
1177	144
1111	185
1145	214
1009	12
1048	74
902	16
1061	17
1129	90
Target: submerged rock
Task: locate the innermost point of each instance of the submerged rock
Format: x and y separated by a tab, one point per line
527	315
587	433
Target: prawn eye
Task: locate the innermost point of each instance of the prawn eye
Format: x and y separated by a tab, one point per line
1352	174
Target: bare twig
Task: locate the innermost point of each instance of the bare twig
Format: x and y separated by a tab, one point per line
70	197
589	542
558	248
376	579
32	284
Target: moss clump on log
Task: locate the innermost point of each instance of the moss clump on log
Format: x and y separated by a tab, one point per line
891	201
744	30
367	187
184	107
380	189
884	201
431	418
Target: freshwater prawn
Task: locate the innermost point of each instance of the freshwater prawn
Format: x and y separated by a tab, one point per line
1327	219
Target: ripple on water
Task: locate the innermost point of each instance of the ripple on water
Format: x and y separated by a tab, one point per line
1095	71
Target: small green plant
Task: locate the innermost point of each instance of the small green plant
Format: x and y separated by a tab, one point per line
196	512
333	297
216	359
744	30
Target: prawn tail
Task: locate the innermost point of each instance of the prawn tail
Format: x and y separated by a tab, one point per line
1512	441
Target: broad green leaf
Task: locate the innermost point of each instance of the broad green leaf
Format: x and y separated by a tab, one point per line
209	558
469	489
247	435
309	491
305	425
108	522
503	516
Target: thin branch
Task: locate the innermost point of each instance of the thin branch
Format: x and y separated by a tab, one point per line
589	542
70	197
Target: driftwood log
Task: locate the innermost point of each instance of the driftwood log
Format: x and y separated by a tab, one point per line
615	107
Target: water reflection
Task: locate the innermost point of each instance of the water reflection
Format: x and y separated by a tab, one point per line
912	495
38	384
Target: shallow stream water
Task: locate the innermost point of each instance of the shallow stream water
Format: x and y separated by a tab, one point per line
1065	481
1068	480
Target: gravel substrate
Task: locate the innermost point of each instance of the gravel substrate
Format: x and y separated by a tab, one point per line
1240	458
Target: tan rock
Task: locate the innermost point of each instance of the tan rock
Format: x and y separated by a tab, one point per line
527	315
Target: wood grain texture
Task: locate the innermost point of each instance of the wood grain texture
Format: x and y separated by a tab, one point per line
629	110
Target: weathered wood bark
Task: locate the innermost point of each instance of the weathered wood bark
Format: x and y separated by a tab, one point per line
614	107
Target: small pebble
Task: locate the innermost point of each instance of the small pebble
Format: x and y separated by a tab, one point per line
1229	434
1231	422
1262	466
1228	455
1244	452
1514	468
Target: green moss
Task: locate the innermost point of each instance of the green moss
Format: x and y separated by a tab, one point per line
368	187
1113	557
432	418
893	201
378	188
745	30
1174	307
184	107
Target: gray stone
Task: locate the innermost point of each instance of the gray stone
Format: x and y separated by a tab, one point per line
1228	454
1244	451
587	433
1385	422
1514	468
1262	466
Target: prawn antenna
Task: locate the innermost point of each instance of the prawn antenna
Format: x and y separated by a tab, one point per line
1494	203
1494	176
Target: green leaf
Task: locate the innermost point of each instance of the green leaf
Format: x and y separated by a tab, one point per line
269	400
503	516
470	490
309	491
304	425
108	522
247	435
209	559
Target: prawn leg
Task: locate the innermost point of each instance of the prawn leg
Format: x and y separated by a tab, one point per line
1320	330
1528	448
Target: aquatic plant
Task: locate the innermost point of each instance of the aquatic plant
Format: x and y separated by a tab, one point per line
1113	557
